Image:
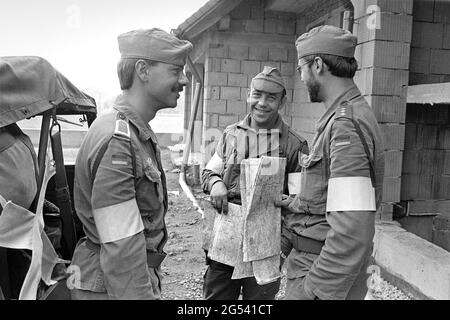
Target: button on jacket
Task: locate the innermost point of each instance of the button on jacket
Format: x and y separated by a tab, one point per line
121	198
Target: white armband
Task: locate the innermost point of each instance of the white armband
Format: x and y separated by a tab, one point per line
350	194
294	182
215	164
118	221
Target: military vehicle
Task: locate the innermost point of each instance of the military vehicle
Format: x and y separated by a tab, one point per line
31	88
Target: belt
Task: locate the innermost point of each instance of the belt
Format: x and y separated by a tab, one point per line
305	244
154	259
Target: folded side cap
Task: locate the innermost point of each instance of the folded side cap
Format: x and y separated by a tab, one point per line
326	40
269	80
154	44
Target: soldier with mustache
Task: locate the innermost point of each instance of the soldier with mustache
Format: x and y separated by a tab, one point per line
120	189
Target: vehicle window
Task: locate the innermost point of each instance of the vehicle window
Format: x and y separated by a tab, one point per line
72	135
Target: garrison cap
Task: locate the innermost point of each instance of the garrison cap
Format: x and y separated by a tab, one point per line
269	80
154	44
326	40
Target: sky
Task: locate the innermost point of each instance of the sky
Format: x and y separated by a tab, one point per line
79	37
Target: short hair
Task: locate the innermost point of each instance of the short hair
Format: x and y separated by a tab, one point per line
342	67
125	71
283	94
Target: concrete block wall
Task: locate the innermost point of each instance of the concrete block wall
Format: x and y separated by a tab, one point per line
426	162
441	231
430	220
328	11
430	46
383	54
230	65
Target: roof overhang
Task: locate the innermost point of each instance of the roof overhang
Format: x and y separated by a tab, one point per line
204	18
214	10
293	6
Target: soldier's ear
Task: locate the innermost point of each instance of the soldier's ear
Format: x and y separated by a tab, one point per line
282	103
142	70
319	65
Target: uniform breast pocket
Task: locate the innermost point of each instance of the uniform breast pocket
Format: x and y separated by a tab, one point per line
150	190
313	179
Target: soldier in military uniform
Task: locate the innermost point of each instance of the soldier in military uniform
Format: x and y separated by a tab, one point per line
18	183
120	188
333	219
261	132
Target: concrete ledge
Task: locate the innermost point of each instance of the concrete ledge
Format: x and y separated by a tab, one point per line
423	266
429	93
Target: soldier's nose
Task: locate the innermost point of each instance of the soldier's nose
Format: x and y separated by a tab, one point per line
262	103
183	80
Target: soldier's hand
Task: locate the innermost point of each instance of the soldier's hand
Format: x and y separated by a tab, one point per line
284	201
219	197
289	203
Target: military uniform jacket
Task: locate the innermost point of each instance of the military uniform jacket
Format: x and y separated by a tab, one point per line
239	141
120	197
18	167
341	189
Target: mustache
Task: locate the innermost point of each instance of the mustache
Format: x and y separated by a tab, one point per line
177	88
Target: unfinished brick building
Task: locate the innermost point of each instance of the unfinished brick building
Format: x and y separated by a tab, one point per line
403	52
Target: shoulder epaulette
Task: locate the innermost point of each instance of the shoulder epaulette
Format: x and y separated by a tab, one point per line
345	110
6	140
122	126
231	127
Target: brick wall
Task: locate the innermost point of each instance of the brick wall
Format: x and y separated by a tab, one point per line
328	10
426	163
430	46
254	38
383	50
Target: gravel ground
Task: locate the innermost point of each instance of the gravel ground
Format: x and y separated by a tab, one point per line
384	291
387	291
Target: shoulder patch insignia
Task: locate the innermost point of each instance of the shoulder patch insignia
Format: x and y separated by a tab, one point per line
119	160
345	110
342	141
122	128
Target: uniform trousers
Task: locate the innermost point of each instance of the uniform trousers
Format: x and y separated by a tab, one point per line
155	278
218	285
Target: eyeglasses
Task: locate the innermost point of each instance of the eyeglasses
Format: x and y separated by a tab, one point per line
300	66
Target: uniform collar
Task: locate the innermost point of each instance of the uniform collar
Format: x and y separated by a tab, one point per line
145	131
245	124
351	93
